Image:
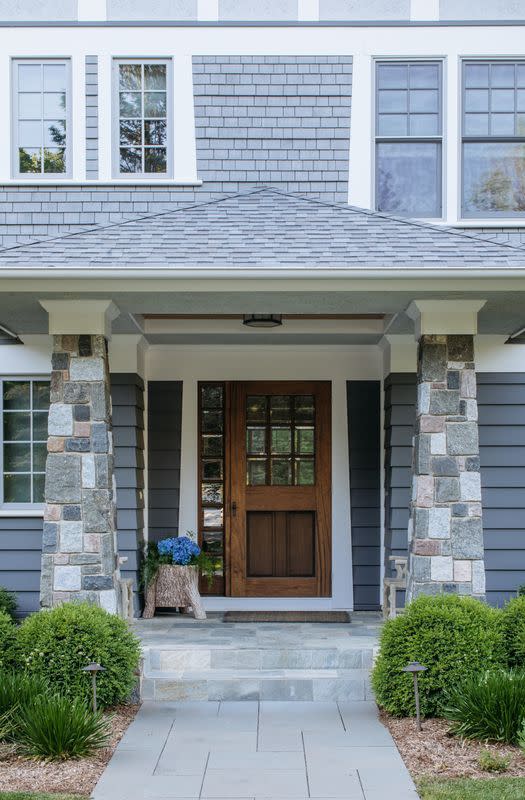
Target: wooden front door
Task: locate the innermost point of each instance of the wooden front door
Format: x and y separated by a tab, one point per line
280	489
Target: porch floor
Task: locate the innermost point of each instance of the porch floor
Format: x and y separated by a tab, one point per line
256	751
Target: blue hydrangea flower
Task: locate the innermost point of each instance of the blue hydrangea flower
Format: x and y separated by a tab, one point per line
181	549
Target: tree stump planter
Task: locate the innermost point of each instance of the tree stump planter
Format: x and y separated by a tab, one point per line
174	586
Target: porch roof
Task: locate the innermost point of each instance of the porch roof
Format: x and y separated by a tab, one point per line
267	228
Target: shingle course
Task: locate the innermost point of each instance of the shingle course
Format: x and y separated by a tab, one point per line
266	228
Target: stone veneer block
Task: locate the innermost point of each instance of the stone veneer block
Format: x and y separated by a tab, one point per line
446	551
79	543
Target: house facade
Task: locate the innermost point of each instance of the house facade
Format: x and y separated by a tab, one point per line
262	279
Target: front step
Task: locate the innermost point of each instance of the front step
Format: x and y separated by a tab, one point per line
193	672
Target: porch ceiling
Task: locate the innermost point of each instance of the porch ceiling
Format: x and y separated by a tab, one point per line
504	312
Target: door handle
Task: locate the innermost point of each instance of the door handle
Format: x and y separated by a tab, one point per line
234	509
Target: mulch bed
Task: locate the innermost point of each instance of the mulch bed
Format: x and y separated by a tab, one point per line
18	774
433	753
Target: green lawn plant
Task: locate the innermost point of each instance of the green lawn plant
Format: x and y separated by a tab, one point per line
9	650
492	762
489	706
513	619
7	602
55	728
471	789
454	637
56	644
17	689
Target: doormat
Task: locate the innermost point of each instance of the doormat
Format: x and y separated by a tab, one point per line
287	616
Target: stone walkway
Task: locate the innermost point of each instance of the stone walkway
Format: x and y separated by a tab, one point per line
267	750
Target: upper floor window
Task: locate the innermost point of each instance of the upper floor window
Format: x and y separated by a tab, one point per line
142	111
408	139
41	112
25	410
493	138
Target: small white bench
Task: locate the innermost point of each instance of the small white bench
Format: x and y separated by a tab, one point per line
392	584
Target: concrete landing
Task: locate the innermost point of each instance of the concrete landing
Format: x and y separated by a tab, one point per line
256	751
191	660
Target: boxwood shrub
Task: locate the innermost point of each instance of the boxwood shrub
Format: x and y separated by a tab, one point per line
513	616
56	644
9	655
454	637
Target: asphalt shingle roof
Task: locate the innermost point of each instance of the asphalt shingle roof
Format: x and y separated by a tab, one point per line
266	228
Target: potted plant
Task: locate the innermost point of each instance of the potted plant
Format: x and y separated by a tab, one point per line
170	575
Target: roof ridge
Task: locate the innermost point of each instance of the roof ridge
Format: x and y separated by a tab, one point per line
142	218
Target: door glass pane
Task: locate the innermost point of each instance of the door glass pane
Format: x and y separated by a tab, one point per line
256	408
304	472
212	517
212	421
211	396
212	493
281	471
212	543
212	445
304	441
281	440
256	441
280	408
212	470
409	182
256	471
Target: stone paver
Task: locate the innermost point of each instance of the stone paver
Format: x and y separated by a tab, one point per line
256	750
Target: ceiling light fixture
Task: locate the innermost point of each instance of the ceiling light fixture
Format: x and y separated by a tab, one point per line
262	320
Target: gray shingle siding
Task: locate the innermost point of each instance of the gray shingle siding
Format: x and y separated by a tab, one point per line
127	397
164	439
91	117
363	405
501	408
501	405
399	415
280	120
20	554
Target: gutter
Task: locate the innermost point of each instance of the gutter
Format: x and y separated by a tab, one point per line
250	272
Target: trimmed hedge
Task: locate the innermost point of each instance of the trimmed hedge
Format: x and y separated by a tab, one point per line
513	617
56	645
7	602
454	637
9	654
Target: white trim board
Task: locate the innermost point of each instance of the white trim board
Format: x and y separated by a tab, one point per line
336	364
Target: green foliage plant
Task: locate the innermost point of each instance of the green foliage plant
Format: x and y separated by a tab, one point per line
56	645
54	728
452	636
17	689
489	706
493	762
513	620
153	559
9	651
7	602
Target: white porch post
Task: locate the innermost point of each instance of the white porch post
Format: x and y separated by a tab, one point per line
445	528
79	552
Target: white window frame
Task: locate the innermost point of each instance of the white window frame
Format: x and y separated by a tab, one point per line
441	137
5	506
15	164
115	122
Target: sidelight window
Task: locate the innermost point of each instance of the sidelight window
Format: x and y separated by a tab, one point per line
211	477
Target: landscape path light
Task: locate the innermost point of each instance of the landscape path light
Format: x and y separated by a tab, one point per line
92	669
415	668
